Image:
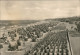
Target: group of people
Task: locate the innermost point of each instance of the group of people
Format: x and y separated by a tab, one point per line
52	44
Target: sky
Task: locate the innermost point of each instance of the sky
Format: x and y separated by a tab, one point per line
38	10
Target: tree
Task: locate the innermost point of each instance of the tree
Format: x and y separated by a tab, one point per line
1	46
78	27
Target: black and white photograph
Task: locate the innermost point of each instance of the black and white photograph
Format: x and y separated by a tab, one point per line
39	27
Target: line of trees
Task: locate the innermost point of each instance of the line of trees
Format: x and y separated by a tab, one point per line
32	32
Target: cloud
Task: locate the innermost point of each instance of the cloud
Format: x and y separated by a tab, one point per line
14	10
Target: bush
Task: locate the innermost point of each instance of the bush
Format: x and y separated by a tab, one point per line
78	27
1	46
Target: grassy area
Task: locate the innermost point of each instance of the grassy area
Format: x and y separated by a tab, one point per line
75	42
74	34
